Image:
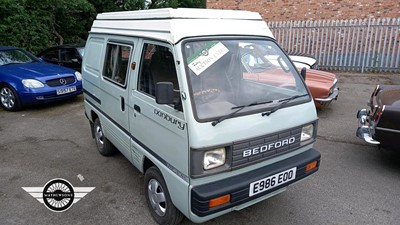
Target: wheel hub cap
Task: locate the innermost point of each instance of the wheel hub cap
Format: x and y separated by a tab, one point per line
99	136
7	98
157	197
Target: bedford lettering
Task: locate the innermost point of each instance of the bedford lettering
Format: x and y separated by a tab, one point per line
267	147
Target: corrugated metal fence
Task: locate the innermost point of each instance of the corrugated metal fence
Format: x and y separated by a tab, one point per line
370	45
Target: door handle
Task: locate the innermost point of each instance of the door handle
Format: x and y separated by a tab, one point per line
136	108
122	103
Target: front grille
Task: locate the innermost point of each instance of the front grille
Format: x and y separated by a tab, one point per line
249	151
61	81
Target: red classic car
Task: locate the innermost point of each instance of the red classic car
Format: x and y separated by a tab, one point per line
322	85
317	81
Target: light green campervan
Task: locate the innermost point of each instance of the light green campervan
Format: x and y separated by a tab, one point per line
204	103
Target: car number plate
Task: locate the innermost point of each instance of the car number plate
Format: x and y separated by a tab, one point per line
66	90
275	180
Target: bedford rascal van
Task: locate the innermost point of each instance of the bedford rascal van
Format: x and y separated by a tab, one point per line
169	89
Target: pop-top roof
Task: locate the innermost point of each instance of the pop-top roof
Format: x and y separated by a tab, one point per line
173	25
180	13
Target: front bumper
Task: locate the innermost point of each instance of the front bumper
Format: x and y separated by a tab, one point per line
239	186
363	130
326	101
46	95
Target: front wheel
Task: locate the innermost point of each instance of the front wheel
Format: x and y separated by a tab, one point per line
158	199
9	98
104	146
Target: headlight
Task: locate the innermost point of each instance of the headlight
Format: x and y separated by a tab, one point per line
307	132
30	83
214	158
78	75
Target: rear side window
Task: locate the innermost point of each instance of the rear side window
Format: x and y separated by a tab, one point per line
116	63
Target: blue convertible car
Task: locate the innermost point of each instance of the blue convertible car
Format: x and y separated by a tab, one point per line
26	80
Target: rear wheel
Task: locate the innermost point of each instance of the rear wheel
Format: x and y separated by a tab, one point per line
104	146
158	199
9	98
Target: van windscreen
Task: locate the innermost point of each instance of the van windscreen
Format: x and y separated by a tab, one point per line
225	74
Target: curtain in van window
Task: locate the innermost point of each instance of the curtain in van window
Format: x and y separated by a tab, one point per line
116	63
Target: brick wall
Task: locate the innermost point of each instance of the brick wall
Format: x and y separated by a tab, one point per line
282	10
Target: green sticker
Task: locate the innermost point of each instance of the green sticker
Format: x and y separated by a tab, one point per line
207	56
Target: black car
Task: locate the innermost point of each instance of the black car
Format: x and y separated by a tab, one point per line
380	125
64	55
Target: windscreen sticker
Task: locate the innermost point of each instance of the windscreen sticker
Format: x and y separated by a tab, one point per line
206	56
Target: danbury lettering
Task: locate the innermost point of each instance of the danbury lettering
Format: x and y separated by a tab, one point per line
168	118
267	147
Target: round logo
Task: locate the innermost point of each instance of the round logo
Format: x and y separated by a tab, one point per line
204	52
63	81
58	195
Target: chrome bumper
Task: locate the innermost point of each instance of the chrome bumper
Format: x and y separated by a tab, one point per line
329	99
363	130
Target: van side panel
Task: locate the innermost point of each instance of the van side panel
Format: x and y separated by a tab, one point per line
166	145
94	52
110	98
160	131
91	68
178	190
178	186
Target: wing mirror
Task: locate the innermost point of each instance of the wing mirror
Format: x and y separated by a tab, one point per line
303	73
165	93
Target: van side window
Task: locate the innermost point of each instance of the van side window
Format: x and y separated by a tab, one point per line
157	66
116	63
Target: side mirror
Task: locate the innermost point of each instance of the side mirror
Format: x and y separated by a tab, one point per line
165	93
303	73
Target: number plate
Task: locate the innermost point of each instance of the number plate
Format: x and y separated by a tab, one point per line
265	184
66	90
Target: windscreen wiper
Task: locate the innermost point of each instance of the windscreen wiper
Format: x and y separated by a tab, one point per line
282	103
236	111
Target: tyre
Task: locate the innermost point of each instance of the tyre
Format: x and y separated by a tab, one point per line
104	146
158	198
9	98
